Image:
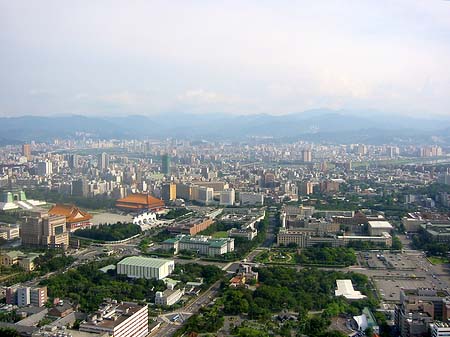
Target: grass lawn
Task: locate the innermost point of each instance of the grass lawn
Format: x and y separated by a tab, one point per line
437	259
223	234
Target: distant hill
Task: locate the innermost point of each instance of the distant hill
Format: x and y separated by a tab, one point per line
316	125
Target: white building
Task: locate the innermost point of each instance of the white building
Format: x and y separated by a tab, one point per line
345	288
440	329
169	296
23	296
45	168
227	197
205	195
251	198
145	267
248	233
376	228
9	232
203	245
123	319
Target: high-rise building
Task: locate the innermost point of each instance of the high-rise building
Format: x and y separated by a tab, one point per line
118	319
306	188
165	164
205	195
362	149
43	230
306	156
26	151
227	197
80	187
169	192
45	168
73	161
184	191
103	161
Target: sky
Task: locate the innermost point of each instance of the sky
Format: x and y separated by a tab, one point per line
236	57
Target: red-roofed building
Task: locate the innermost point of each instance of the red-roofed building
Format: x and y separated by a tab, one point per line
139	202
75	218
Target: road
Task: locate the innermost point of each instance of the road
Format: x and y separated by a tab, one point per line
168	328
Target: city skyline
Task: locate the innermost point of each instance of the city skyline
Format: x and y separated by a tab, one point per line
234	58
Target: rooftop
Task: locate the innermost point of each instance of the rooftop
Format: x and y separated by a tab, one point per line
141	261
71	212
345	288
380	224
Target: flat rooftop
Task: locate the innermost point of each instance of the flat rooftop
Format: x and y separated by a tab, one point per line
141	261
380	224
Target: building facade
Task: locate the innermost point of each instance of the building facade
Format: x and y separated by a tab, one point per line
118	319
42	229
145	267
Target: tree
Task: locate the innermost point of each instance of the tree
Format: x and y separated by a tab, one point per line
368	332
8	332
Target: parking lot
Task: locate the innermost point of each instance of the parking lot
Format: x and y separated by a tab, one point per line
392	272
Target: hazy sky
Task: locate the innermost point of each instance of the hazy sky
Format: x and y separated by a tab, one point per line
241	57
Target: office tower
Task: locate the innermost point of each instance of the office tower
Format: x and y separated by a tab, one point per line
306	188
43	230
205	172
306	156
103	161
80	188
165	164
26	151
362	149
205	195
45	168
227	197
169	192
73	161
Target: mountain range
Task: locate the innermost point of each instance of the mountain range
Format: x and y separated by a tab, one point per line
320	125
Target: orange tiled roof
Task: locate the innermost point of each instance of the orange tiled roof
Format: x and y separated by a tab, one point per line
139	199
71	212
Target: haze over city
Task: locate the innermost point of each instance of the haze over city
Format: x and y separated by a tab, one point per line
157	57
225	168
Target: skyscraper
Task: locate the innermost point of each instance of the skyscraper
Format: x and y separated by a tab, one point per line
103	161
306	156
26	151
169	192
45	168
165	164
73	161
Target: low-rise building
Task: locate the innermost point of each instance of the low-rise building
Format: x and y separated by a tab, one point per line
246	233
145	267
305	237
377	228
169	296
345	288
9	232
191	226
23	296
251	198
26	261
204	245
